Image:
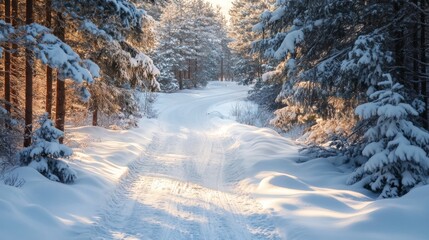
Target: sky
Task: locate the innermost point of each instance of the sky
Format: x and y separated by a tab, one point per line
225	4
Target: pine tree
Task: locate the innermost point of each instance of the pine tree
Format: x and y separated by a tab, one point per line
397	150
115	38
191	35
244	15
330	56
46	153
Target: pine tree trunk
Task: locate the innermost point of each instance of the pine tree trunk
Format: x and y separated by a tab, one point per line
14	58
423	60
196	70
180	80
189	69
95	116
415	50
61	93
195	84
399	47
7	60
221	69
49	72
28	80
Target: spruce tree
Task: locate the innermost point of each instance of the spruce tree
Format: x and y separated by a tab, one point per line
396	148
47	155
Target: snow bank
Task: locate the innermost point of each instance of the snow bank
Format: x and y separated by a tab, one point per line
42	209
310	196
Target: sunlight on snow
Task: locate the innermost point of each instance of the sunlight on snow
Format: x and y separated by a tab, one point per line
186	201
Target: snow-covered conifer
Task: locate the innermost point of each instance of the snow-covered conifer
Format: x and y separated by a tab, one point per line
396	148
244	15
46	154
191	37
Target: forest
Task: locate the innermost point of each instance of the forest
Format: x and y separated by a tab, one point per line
355	74
170	119
352	75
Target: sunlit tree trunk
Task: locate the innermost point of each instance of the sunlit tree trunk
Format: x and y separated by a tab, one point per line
7	67
60	107
94	112
28	80
14	58
49	74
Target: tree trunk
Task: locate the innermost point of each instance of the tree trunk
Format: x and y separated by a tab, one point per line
423	60
49	72
180	80
7	68
196	70
416	50
14	58
60	106
399	50
221	69
189	69
28	80
95	116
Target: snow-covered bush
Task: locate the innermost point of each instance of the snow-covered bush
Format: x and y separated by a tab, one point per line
12	180
251	114
395	148
45	152
244	113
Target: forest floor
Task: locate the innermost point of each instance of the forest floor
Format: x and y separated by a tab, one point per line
195	173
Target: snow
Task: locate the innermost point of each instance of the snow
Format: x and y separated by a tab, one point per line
289	43
269	75
194	174
55	53
278	14
143	60
90	27
92	67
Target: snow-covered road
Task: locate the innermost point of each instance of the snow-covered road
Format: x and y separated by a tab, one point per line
183	185
195	173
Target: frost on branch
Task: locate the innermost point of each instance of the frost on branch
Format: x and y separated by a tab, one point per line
366	61
51	51
55	53
396	149
147	71
46	152
289	43
105	18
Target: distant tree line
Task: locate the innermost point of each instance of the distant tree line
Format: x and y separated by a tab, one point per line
192	45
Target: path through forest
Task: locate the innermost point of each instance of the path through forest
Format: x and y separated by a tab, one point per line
183	185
